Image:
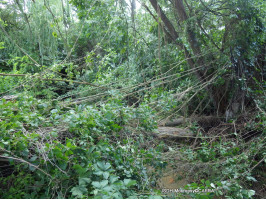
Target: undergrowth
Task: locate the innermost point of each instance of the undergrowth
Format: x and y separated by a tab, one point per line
73	154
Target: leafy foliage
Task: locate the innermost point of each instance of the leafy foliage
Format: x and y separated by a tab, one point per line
86	164
91	79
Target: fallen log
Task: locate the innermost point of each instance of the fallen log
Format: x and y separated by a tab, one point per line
172	132
203	121
173	122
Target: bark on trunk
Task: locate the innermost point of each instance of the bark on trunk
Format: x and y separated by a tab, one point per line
217	95
174	35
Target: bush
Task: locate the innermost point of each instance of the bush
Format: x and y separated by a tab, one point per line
73	154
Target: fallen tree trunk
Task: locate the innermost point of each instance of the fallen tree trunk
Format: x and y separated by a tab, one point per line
172	132
173	122
203	120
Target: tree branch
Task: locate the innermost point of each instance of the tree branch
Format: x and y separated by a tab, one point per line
56	79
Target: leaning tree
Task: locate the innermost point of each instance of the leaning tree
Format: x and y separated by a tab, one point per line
220	39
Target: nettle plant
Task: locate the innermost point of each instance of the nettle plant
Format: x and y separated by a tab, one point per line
73	154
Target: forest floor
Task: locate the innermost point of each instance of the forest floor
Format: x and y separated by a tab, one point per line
180	172
179	152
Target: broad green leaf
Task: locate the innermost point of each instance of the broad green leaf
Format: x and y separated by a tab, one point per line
84	181
101	184
129	182
54	34
80	170
79	191
103	166
251	193
106	175
113	178
154	197
96	184
250	178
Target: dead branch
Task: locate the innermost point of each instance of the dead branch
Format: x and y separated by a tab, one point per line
55	79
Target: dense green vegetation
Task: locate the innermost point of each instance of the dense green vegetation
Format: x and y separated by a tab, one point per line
85	84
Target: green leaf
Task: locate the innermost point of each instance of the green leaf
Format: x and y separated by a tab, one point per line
2	43
129	182
104	183
54	111
84	181
108	188
103	166
98	173
113	178
33	158
154	197
54	34
69	145
79	191
251	193
250	178
101	184
80	170
2	145
32	168
207	183
96	184
106	175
